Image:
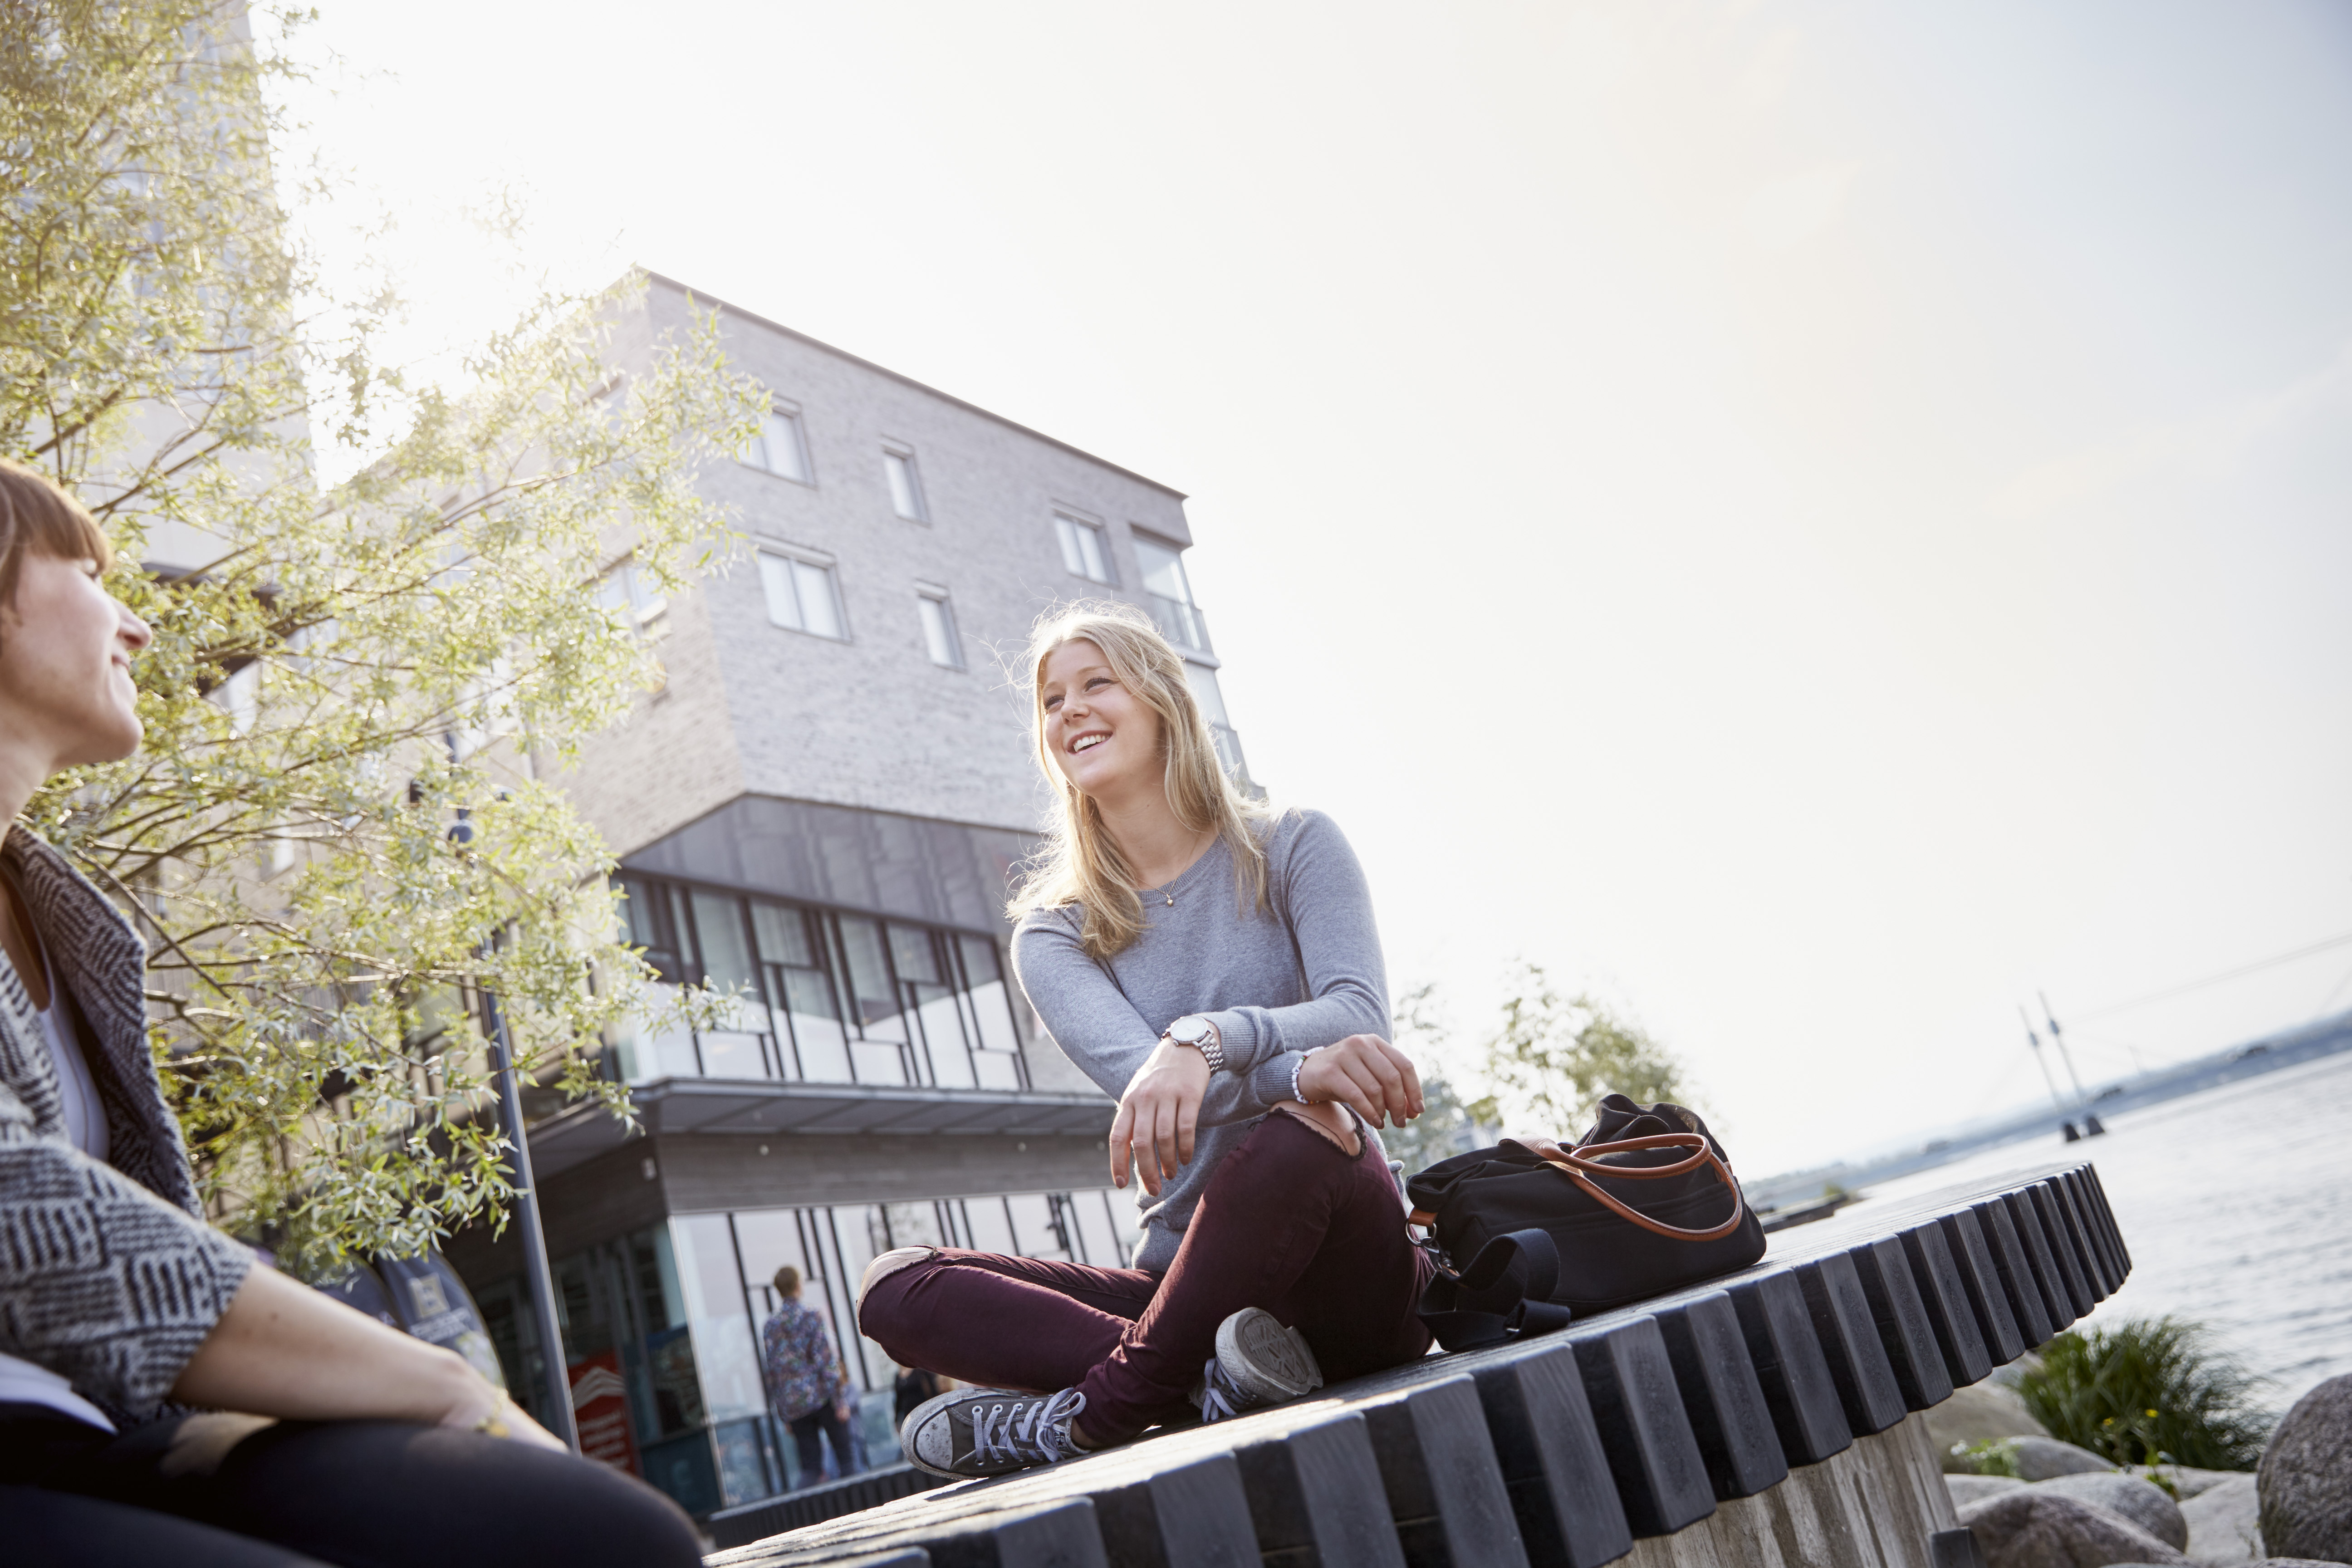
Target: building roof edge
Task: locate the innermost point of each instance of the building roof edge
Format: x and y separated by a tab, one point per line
1036	832
708	298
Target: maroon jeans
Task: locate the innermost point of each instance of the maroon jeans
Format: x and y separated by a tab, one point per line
1289	1223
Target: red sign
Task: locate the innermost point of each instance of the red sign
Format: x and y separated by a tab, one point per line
600	1406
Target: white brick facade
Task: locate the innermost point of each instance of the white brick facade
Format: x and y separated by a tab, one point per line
871	722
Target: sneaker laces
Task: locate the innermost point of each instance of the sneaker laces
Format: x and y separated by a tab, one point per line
1219	1399
1027	1431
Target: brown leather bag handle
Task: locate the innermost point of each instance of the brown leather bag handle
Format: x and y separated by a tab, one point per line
1573	1163
1577	1158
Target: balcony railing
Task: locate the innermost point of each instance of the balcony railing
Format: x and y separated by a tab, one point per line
1179	622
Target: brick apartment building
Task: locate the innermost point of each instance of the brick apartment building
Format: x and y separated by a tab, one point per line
822	806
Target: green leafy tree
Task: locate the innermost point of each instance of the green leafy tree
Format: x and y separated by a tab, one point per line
363	667
1445	1127
1553	1057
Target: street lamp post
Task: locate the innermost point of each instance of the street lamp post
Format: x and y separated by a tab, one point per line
558	1382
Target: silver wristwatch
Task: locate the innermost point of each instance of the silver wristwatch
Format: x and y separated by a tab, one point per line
1199	1032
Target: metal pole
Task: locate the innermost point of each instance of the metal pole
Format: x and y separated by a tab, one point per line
2058	1037
2039	1060
2034	1040
558	1387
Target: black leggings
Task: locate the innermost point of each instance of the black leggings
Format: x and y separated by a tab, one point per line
232	1492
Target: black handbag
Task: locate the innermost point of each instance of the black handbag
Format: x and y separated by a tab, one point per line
1529	1235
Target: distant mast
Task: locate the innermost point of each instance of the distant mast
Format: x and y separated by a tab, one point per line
2056	1099
2091	1128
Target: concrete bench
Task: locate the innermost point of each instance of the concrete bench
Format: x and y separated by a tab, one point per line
1766	1419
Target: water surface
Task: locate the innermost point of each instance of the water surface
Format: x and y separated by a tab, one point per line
2237	1206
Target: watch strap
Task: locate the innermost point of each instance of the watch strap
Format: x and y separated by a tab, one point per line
1204	1038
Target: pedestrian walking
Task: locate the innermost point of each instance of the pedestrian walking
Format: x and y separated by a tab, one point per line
911	1387
807	1382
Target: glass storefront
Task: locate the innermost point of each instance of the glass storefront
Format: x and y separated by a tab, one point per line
822	996
661	1328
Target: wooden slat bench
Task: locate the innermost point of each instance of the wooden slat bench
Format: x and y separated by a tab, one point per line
1776	1408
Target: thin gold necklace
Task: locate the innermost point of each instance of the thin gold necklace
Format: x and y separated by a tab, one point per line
1166	892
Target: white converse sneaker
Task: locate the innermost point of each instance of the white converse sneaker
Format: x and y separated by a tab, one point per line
990	1431
1258	1363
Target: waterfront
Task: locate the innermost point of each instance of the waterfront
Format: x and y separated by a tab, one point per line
2237	1206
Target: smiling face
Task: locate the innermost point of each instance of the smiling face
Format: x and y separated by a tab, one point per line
1104	737
66	647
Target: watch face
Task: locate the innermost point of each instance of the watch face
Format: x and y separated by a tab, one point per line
1191	1029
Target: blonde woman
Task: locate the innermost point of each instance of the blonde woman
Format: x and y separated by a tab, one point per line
1214	966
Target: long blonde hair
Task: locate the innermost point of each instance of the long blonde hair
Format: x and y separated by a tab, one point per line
1078	863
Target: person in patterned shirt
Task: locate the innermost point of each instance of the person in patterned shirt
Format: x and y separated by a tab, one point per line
806	1381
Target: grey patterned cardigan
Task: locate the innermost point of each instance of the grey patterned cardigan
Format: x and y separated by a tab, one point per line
109	1274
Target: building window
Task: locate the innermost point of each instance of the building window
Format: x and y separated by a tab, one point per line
625	590
1083	550
820	996
1168	594
1206	691
940	628
239	696
779	447
486	712
906	488
661	1327
802	596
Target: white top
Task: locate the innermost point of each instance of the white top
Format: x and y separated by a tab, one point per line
21	1382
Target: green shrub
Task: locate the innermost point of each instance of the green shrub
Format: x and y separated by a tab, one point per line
2149	1391
1992	1457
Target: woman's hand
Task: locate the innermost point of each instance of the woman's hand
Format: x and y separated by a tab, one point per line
1367	1075
489	1410
282	1349
1157	1116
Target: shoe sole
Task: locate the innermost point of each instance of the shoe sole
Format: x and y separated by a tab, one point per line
1265	1361
937	1405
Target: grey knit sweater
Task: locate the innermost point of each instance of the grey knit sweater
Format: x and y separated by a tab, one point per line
1308	976
109	1275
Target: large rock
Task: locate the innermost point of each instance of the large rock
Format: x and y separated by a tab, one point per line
2188	1481
2142	1502
2033	1527
1980	1412
2014	1373
2225	1525
2307	1477
1966	1489
2046	1458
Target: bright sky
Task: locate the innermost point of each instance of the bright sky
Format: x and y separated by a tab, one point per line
1815	521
